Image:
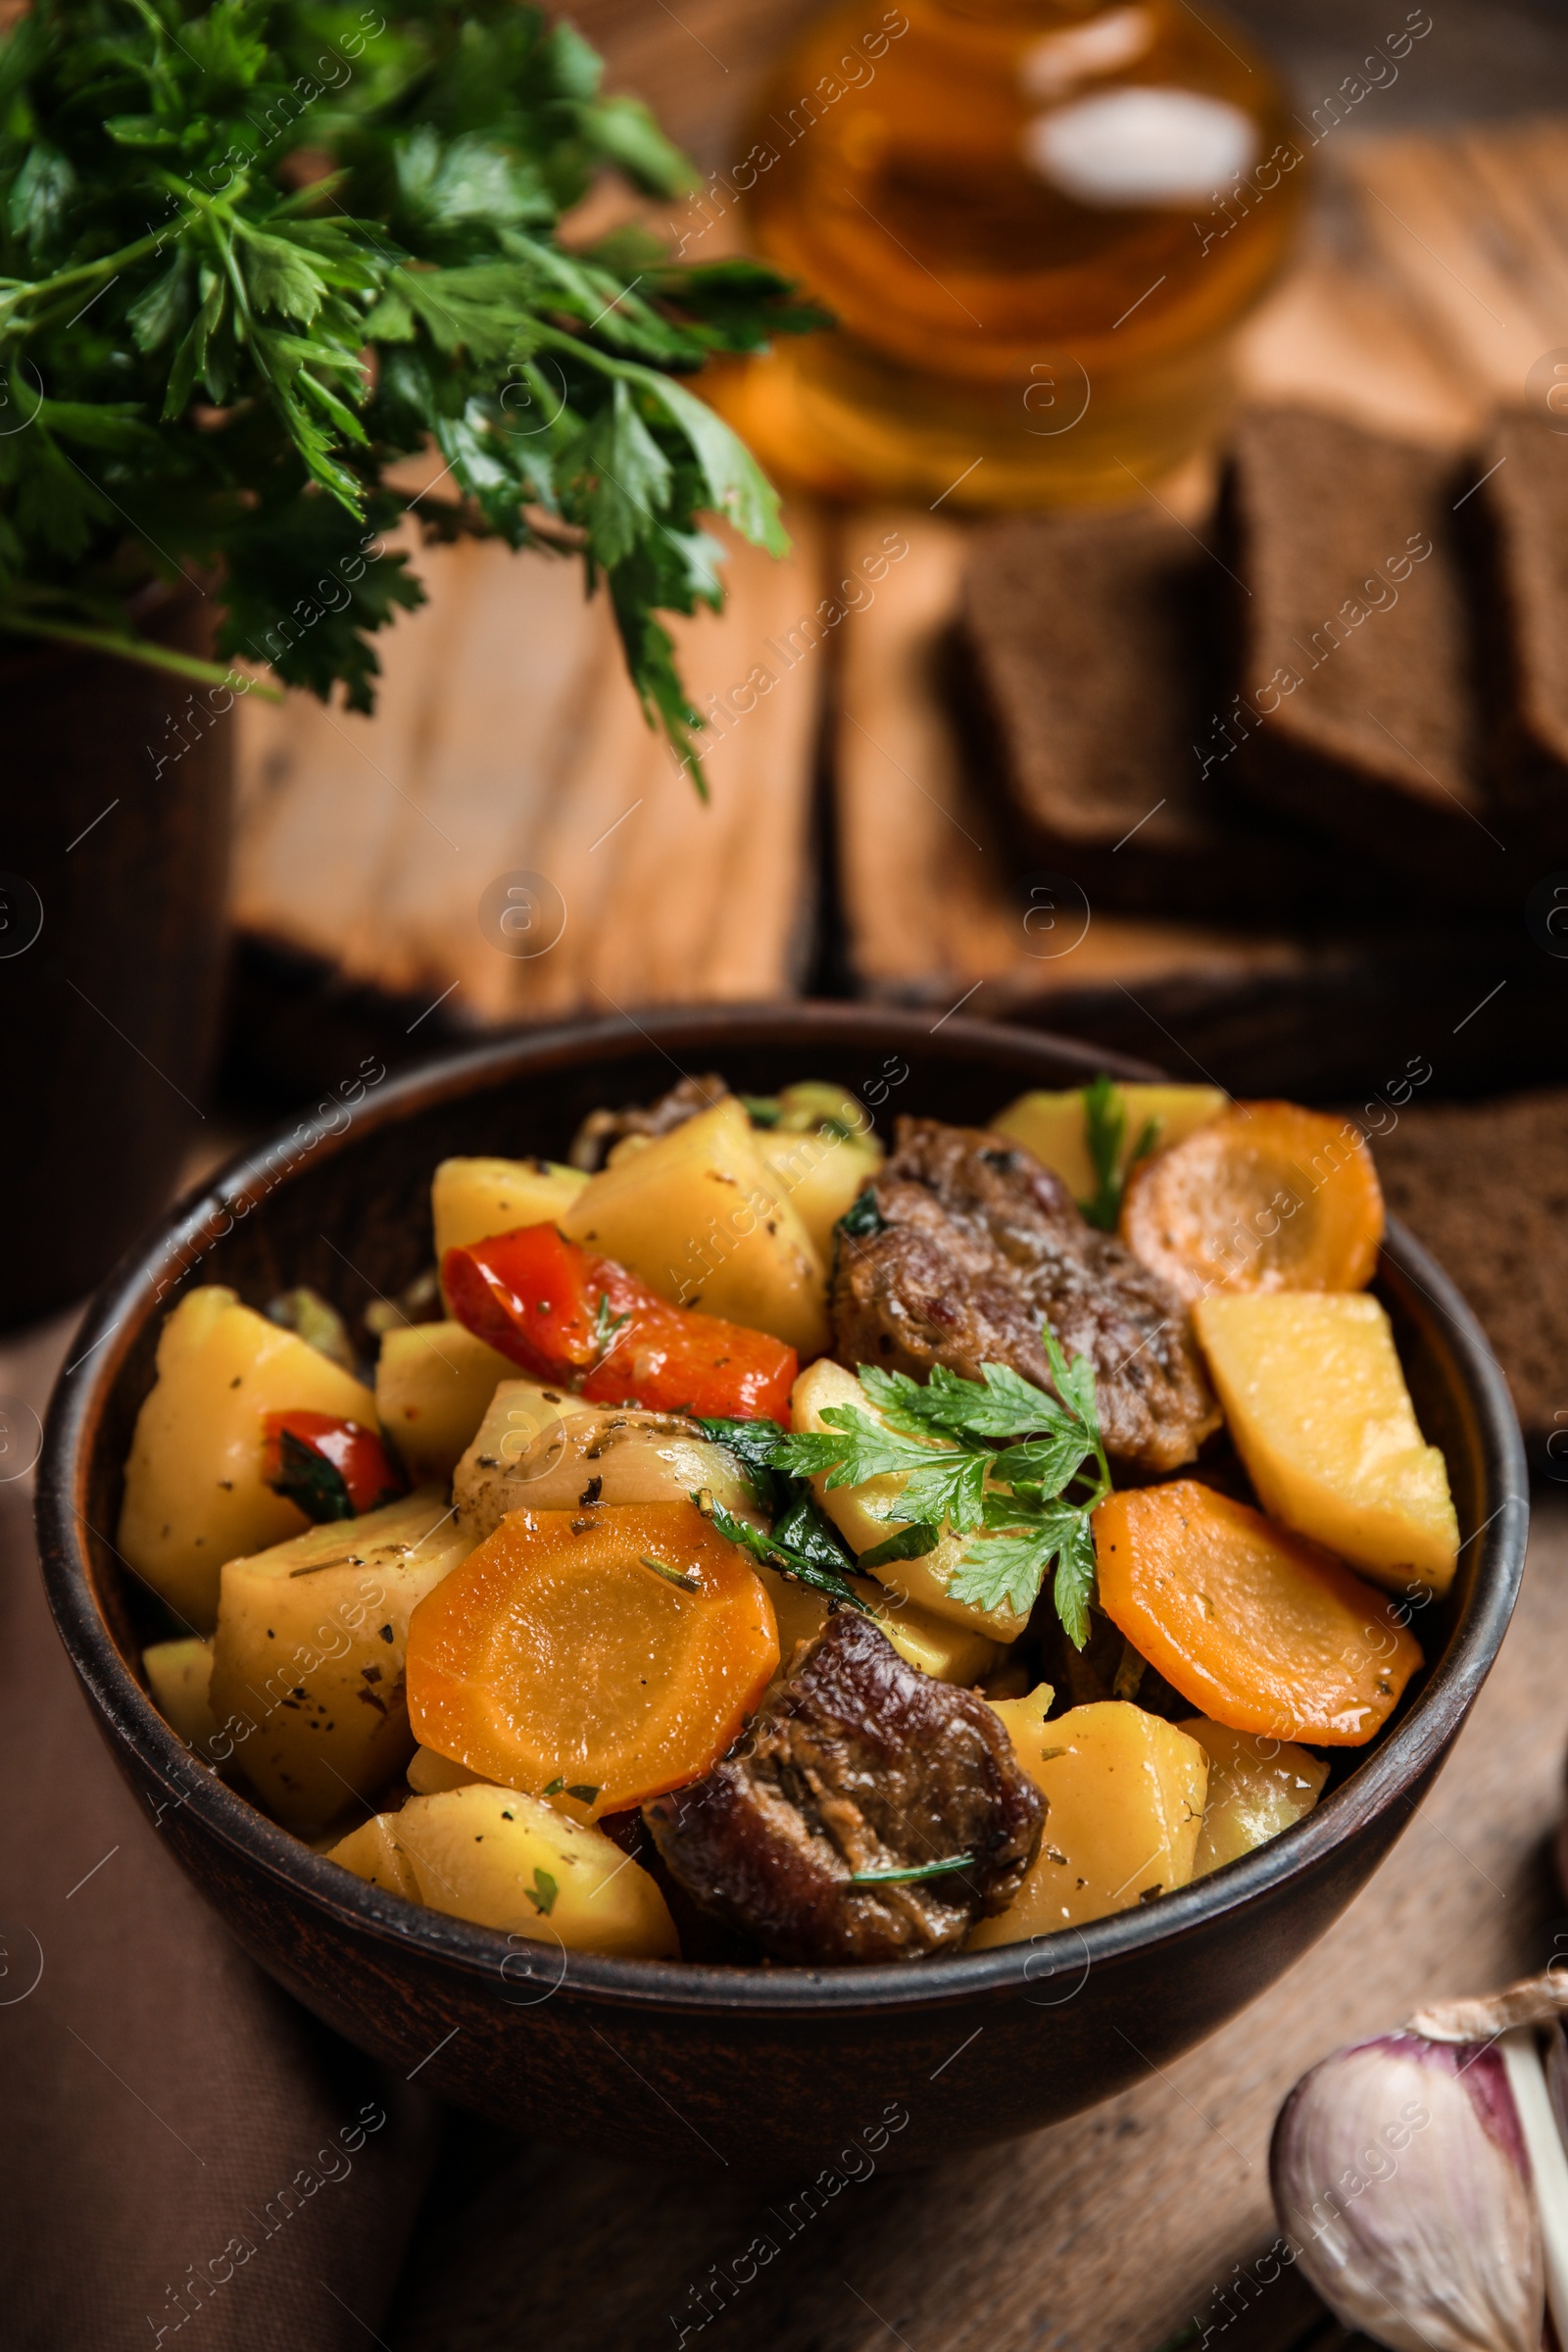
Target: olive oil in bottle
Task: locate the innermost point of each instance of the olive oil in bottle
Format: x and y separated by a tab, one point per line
1038	223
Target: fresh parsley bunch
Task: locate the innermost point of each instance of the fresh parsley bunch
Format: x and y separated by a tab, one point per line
1011	1456
255	253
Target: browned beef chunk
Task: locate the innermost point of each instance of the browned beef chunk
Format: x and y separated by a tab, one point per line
858	1762
980	1241
602	1130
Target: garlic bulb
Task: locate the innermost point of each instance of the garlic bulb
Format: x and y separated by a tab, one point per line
1421	2177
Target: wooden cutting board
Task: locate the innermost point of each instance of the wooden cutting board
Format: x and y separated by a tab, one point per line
506	741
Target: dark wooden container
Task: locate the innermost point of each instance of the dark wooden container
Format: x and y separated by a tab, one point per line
764	2067
109	1019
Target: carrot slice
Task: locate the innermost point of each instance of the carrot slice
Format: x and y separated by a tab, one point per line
1261	1629
597	1656
1268	1197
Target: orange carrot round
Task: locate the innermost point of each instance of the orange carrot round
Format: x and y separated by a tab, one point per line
1268	1197
1259	1629
597	1656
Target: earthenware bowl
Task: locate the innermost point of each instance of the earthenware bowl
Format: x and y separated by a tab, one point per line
766	2067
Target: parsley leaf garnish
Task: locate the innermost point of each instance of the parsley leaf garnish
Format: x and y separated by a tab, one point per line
309	1480
753	1443
911	1542
1001	1404
542	1892
863	1216
853	1448
798	1547
1104	1125
1015	1501
1022	1505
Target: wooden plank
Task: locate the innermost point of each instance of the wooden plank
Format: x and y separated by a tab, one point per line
508	739
1105	2234
1473	225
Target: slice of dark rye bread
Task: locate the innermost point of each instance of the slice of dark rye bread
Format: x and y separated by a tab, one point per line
1356	647
1520	543
1084	670
1485	1186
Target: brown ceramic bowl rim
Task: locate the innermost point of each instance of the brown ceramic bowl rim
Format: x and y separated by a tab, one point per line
1392	1773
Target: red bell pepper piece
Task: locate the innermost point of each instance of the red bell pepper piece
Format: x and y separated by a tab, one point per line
331	1468
567	1315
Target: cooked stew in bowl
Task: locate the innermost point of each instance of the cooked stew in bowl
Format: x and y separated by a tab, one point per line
755	1543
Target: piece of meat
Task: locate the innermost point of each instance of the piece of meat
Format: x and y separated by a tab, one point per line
857	1762
979	1242
602	1130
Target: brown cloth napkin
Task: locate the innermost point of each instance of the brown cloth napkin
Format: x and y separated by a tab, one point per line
187	2158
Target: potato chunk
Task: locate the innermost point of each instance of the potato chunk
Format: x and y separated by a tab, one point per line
698	1217
429	1774
1316	1401
821	1176
194	1493
1256	1788
1126	1795
308	1666
373	1852
543	1448
864	1515
472	1199
506	1860
179	1675
1053	1126
433	1382
948	1652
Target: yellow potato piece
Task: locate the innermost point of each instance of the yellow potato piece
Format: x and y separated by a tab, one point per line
373	1852
864	1515
506	1860
1053	1126
194	1493
471	1199
948	1652
179	1675
428	1774
821	1176
434	1383
307	1685
699	1218
1125	1794
1316	1403
1256	1788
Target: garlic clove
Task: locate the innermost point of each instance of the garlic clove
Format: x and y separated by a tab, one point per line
1400	2171
1542	2131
